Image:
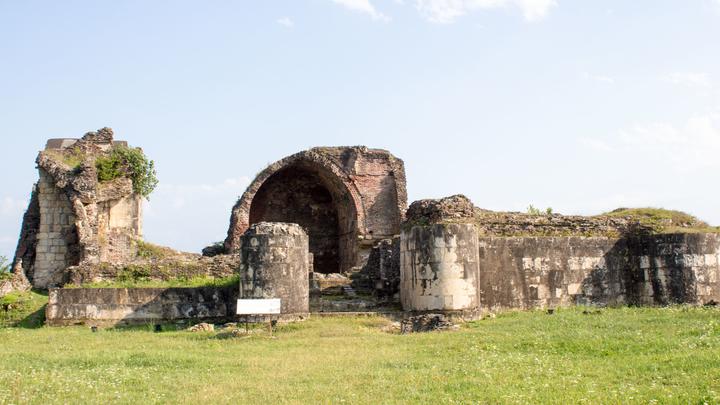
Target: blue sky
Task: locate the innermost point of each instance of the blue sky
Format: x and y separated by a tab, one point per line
582	106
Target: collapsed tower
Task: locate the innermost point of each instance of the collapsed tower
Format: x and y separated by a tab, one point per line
73	217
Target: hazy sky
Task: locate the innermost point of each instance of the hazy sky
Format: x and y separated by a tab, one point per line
581	105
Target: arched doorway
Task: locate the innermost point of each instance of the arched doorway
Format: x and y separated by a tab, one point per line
298	195
307	190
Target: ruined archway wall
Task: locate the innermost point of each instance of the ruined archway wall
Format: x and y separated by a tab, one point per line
373	181
329	172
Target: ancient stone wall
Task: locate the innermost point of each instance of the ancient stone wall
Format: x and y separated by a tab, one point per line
439	268
381	273
114	306
274	264
57	240
73	219
538	272
119	226
346	198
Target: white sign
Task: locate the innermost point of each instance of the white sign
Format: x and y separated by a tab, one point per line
258	306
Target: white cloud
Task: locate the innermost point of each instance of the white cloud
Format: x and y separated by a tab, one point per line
691	79
363	6
597	78
286	22
447	11
691	146
12	206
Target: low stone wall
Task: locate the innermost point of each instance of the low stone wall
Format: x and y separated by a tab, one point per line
555	271
117	306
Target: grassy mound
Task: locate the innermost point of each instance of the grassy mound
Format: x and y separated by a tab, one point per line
663	221
26	309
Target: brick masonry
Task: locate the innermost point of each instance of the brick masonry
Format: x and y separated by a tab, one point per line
346	198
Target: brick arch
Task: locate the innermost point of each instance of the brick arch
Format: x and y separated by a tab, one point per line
318	172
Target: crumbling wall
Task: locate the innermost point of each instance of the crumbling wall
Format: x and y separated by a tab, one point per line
538	272
381	273
119	306
621	263
57	239
358	192
73	219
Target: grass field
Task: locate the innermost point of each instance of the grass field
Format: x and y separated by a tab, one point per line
625	355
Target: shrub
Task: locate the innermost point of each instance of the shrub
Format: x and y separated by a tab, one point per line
532	210
131	163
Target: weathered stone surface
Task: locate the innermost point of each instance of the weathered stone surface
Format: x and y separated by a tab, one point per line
17	283
202	327
381	273
179	265
73	220
345	197
426	323
542	272
453	208
274	264
439	268
113	306
525	225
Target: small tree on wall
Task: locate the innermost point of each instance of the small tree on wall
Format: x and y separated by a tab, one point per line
131	163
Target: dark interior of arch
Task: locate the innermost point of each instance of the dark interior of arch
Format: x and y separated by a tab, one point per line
305	196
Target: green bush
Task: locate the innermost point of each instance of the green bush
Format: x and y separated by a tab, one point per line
131	163
532	210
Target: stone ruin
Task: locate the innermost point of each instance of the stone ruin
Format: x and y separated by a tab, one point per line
328	229
73	219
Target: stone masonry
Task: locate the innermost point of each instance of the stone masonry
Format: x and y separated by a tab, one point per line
73	219
347	198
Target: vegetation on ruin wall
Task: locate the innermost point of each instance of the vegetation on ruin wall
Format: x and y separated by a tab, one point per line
660	220
131	163
147	250
627	355
120	161
134	278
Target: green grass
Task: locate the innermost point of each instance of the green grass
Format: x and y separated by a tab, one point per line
626	355
23	309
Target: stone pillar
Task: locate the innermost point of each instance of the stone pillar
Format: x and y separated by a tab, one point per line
274	264
439	268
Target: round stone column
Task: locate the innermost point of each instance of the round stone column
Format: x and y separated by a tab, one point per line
274	264
439	268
